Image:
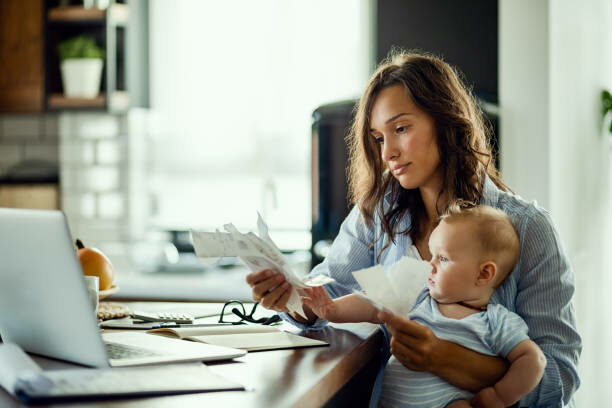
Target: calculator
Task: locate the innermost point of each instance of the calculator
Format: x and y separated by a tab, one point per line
163	317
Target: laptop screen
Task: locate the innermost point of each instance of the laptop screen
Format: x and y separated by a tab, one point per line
44	305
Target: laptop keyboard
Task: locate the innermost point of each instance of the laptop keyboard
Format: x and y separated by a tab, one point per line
118	351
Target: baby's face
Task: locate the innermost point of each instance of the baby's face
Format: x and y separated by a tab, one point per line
456	263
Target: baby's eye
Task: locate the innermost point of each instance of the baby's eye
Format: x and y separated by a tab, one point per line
443	259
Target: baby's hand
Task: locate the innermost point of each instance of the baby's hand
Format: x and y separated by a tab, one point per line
320	303
487	398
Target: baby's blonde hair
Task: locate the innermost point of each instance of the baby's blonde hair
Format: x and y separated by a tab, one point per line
494	232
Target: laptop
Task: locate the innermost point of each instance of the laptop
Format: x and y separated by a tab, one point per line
45	307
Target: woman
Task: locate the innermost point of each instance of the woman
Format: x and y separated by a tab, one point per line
418	143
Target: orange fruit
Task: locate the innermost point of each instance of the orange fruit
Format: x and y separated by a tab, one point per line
95	263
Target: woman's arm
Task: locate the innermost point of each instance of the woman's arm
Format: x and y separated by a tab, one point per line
417	348
544	300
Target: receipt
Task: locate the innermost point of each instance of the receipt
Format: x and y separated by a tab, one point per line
396	291
257	252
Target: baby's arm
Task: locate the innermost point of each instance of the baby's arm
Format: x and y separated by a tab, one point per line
525	372
344	309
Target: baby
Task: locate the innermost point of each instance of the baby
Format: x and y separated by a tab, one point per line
473	251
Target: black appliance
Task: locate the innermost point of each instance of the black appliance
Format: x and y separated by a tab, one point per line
330	126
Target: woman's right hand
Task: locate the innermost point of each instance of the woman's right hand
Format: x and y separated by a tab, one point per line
270	289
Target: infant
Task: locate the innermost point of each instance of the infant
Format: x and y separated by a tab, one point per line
473	250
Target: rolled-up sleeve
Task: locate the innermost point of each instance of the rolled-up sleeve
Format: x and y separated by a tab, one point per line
544	301
351	250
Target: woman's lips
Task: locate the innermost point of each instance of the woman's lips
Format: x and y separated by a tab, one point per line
397	170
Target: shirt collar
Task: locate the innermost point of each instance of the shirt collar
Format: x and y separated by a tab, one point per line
490	192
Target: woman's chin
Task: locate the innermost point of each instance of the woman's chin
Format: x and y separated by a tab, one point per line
407	184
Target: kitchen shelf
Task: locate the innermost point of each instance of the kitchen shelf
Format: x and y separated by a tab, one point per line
117	13
118	101
59	101
36	28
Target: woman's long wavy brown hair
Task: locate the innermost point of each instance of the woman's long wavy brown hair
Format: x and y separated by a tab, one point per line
463	143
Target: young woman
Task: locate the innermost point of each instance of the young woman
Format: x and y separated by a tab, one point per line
418	142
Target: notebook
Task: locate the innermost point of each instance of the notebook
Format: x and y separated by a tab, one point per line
242	336
23	378
45	308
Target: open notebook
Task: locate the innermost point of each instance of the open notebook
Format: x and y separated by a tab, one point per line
241	336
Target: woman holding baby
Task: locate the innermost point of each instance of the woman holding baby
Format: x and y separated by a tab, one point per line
417	145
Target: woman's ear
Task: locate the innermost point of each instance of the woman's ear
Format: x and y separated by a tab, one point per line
488	271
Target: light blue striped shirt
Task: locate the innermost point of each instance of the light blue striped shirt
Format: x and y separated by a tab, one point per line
495	331
539	289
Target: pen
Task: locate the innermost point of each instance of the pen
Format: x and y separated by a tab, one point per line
172	325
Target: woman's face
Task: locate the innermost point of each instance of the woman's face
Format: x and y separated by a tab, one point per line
407	138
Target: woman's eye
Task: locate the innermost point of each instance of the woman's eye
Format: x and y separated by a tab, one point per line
379	139
401	129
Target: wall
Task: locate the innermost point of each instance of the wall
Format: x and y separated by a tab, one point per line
580	66
555	57
523	92
97	180
28	137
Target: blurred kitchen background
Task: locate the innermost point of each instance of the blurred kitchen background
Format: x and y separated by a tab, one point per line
211	111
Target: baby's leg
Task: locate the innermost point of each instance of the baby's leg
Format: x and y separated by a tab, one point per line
459	404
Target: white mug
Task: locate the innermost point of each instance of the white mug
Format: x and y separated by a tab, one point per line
93	289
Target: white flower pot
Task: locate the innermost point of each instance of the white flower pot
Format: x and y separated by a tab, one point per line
81	77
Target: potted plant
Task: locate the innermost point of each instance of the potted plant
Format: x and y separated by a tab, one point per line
606	105
81	63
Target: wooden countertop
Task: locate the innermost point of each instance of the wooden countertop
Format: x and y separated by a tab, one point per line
304	377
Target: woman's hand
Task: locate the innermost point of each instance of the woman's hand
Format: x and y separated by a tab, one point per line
413	344
320	303
418	348
270	289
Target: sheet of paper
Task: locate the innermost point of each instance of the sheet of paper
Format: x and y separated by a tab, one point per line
257	252
398	291
407	277
377	287
14	363
163	379
260	341
371	301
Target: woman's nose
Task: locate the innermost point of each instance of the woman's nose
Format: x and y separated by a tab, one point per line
389	150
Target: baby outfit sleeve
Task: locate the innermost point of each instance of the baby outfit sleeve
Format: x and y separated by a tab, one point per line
507	330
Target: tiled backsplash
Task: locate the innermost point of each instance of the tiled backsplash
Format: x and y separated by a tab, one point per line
91	153
94	180
28	138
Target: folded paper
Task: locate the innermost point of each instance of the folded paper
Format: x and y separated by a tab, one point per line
396	291
257	252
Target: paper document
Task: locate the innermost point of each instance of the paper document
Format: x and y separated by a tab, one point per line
243	336
22	378
257	252
396	291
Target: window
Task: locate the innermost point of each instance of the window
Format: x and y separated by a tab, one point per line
233	85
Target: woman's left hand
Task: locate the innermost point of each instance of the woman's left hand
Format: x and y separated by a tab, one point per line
413	344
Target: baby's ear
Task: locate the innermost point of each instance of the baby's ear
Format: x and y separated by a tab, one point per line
487	273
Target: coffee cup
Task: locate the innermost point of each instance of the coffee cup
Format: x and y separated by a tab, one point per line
93	289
